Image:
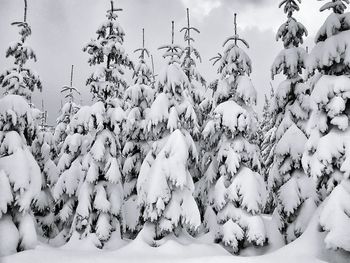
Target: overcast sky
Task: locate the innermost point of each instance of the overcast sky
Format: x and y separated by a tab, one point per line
60	28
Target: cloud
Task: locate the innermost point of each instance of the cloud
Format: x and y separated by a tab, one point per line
201	8
241	4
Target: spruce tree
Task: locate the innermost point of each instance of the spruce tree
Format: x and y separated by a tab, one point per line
20	179
99	210
190	55
138	100
235	191
327	151
19	79
199	95
66	112
47	151
44	151
70	169
292	189
268	132
165	185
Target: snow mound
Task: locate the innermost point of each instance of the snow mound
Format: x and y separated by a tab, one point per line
309	248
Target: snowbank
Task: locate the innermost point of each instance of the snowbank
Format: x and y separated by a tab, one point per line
309	248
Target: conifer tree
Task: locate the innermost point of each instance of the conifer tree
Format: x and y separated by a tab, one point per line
138	99
67	111
268	133
44	151
190	55
19	79
198	93
20	179
165	186
292	189
99	210
70	168
235	191
327	152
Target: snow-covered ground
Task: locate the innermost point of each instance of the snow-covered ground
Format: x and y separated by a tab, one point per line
309	248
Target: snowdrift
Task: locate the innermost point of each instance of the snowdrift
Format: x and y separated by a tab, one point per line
309	248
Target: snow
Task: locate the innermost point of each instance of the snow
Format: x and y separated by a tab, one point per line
24	173
246	91
27	232
287	144
166	191
172	172
329	86
6	197
292	31
131	213
329	52
335	218
309	248
9	236
234	117
234	60
289	60
157	113
327	141
173	79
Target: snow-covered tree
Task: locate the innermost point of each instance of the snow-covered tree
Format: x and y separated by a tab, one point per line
20	179
201	97
99	210
70	167
66	112
45	152
235	191
265	140
108	54
267	118
292	189
190	55
19	79
327	152
165	186
46	149
267	133
138	99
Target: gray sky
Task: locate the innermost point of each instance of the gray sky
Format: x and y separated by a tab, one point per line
62	27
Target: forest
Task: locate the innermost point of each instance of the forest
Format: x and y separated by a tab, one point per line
176	163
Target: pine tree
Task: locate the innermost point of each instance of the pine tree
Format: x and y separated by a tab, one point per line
165	186
99	210
19	79
327	151
235	191
66	113
138	99
292	189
